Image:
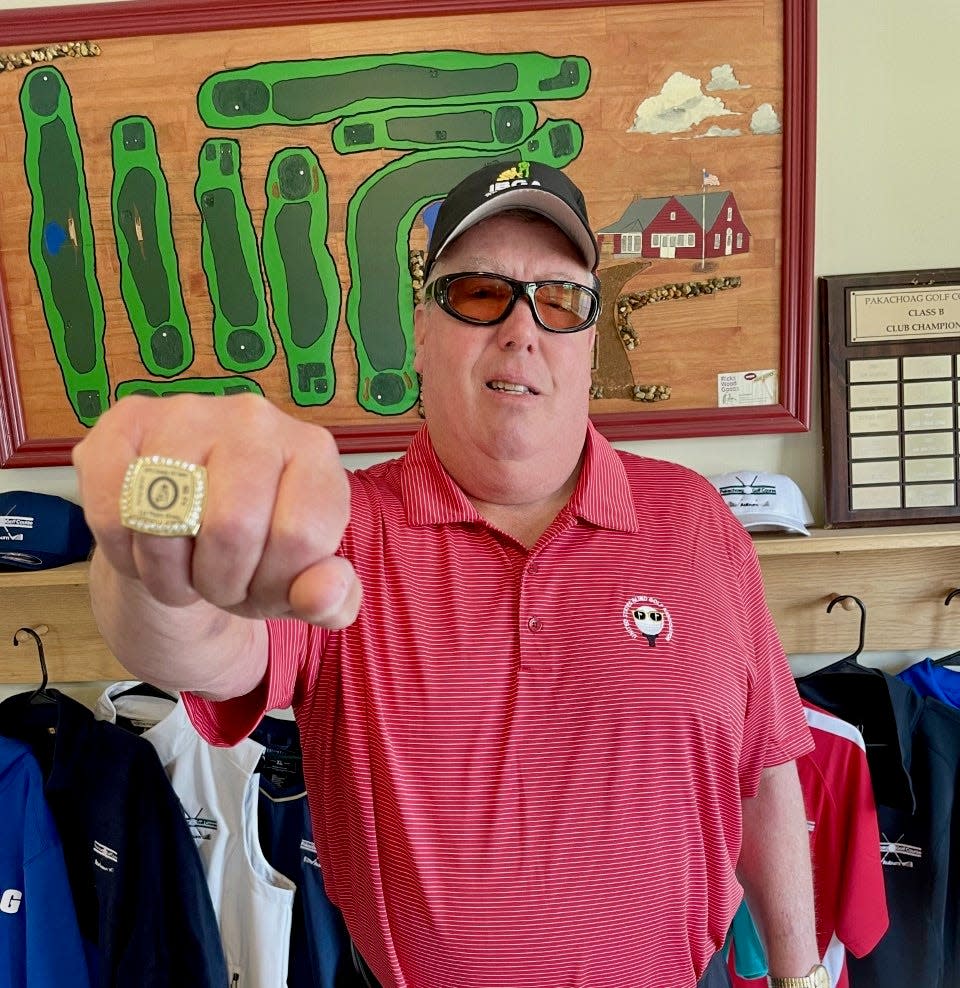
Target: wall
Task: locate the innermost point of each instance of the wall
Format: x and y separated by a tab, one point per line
888	147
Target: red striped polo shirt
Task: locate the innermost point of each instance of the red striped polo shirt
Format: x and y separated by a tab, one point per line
525	767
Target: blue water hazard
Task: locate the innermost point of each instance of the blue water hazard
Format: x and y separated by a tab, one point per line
54	237
430	216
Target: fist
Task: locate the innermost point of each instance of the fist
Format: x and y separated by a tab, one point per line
277	502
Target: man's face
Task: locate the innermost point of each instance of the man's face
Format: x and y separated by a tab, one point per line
512	391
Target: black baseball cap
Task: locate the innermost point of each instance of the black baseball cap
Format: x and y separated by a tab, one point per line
500	186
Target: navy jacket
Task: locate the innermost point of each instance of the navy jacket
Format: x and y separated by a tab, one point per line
913	750
139	890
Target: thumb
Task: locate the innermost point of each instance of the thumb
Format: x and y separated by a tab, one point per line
327	593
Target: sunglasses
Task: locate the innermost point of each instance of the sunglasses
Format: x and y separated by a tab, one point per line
484	299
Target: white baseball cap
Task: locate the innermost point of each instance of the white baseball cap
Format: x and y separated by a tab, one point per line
764	502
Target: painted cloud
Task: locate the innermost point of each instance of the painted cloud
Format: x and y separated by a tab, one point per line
722	77
765	120
716	131
680	105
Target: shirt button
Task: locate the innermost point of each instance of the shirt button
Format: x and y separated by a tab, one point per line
534	624
534	567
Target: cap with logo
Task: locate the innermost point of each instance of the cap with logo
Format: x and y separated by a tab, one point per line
764	502
500	186
40	531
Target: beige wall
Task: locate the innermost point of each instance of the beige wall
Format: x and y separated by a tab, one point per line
887	174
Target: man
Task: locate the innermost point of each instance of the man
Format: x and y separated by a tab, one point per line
534	751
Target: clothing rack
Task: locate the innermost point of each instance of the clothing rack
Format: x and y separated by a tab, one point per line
902	574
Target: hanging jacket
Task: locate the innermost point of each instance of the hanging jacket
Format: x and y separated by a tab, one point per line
318	955
319	942
219	790
36	906
913	752
141	899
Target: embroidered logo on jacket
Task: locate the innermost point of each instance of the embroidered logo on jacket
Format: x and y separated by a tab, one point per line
10	900
645	617
104	856
201	827
894	852
310	857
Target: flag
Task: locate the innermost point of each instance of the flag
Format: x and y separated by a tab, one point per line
709	179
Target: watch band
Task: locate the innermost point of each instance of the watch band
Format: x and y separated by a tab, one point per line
816	977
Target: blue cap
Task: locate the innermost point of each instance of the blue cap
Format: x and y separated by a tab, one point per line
40	531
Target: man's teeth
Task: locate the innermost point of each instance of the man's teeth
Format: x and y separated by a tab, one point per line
519	389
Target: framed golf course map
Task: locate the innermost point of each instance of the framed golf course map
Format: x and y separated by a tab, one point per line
218	198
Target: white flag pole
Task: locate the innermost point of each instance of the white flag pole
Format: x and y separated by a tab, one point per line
703	221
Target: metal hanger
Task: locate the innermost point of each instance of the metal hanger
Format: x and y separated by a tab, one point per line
41	694
954	657
852	657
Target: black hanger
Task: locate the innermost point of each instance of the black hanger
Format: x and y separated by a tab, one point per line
146	689
954	657
41	694
852	657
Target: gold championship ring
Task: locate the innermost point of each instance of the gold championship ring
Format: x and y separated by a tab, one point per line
161	496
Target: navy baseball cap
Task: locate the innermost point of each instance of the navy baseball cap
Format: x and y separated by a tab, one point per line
500	186
40	531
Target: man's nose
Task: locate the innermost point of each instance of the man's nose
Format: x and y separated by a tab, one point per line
520	328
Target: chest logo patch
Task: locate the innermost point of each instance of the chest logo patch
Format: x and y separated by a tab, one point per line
646	618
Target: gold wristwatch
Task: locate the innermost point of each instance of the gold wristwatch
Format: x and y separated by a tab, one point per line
816	977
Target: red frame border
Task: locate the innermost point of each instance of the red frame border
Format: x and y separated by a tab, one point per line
125	18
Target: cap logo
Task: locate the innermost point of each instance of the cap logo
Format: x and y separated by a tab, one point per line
14	521
520	170
742	488
510	178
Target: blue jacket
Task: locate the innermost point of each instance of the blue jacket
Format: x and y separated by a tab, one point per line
139	890
39	939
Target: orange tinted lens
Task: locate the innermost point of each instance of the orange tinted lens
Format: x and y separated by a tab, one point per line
479	297
563	306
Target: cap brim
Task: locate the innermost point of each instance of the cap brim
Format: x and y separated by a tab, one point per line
535	200
773	524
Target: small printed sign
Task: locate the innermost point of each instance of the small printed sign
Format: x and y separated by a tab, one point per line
904	313
740	388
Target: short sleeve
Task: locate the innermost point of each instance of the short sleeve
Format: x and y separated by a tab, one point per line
293	647
775	729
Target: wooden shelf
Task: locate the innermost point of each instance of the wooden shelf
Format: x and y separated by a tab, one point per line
902	574
824	540
74	575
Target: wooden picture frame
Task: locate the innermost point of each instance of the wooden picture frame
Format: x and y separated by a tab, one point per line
891	397
150	62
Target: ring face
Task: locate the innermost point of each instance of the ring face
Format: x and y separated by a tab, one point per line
161	496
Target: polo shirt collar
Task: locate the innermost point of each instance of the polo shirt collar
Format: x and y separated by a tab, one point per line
602	496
